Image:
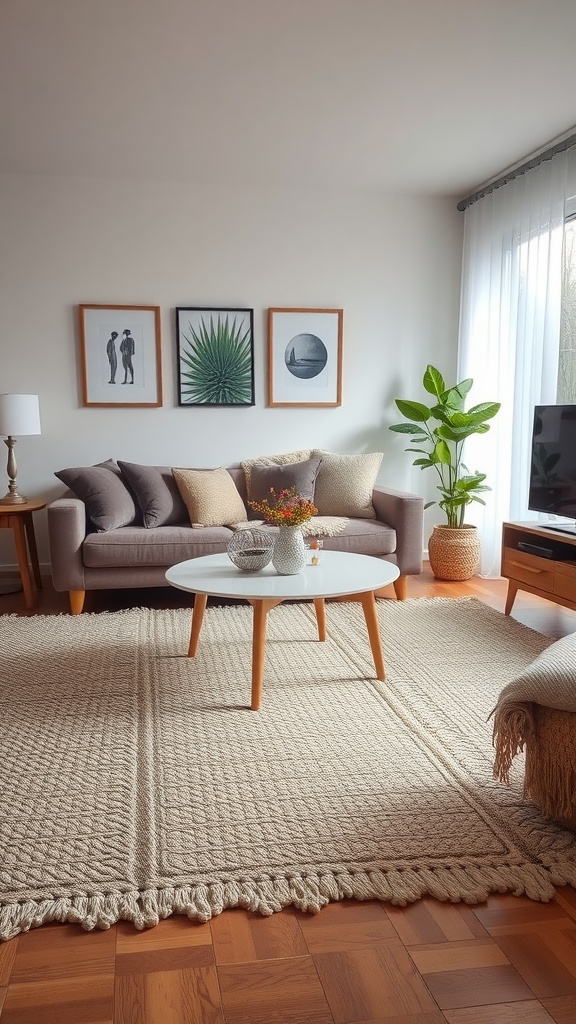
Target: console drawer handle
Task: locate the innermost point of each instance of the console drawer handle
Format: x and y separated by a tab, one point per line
526	568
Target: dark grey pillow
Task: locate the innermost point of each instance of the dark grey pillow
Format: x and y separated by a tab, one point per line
156	493
108	502
301	475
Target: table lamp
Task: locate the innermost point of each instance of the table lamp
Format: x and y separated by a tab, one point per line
19	415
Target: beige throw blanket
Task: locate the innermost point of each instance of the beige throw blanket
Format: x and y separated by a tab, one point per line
317	526
535	711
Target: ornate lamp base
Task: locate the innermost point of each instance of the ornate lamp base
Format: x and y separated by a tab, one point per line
12	497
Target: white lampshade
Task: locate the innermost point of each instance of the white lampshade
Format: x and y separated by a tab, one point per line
19	415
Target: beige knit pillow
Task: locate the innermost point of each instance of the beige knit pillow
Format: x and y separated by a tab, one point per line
211	496
285	459
345	483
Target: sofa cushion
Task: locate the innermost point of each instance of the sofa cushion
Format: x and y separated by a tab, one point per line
137	548
285	459
156	493
211	496
301	475
108	502
345	483
363	537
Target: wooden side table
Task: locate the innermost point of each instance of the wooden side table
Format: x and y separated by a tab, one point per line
19	519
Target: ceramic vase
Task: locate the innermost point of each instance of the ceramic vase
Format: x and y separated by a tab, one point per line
289	554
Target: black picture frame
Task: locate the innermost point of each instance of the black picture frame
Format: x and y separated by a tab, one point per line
215	355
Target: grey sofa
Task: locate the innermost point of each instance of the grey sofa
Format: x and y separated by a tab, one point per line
135	556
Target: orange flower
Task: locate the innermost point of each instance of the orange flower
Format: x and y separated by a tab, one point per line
288	508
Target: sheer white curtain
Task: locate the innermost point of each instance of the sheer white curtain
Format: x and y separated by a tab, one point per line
509	334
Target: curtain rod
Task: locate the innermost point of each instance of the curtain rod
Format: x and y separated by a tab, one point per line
559	146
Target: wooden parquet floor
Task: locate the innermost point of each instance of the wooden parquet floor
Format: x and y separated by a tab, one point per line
507	961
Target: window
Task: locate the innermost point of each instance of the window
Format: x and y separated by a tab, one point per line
567	353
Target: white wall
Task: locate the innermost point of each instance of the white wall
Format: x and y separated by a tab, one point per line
391	262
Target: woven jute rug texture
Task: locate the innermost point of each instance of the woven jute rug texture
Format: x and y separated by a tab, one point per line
136	783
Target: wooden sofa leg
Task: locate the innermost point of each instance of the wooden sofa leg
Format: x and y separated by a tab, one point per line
76	601
401	588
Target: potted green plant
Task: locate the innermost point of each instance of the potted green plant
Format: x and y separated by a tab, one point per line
437	436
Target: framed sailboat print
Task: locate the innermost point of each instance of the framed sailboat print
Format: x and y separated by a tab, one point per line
305	357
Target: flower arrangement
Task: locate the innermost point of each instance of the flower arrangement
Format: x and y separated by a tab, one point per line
286	508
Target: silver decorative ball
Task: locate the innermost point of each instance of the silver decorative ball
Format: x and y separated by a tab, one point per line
250	550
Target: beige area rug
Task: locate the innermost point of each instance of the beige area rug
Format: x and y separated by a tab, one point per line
135	783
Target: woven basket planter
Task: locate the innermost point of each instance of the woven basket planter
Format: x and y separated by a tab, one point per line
454	552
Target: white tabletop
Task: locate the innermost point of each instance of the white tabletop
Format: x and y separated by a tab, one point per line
338	573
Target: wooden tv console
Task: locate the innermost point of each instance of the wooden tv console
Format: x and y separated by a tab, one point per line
541	561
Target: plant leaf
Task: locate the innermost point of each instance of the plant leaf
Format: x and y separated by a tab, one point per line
484	411
406	428
433	381
413	410
441	453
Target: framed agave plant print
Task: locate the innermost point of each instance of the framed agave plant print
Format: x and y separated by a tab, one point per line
305	357
215	356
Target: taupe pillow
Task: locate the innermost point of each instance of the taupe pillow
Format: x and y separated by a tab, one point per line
345	483
301	475
156	494
109	504
211	496
271	460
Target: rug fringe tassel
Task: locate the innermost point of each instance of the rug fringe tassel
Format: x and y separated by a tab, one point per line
268	895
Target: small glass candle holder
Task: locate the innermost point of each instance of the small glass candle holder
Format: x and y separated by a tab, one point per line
314	546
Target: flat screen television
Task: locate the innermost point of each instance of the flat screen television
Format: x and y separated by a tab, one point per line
553	464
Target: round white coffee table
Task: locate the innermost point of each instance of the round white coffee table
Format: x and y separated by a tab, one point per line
338	574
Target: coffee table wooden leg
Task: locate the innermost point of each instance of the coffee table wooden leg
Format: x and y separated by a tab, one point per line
260	609
22	555
371	616
198	610
320	607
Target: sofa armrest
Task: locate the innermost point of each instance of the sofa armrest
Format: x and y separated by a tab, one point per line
404	512
66	533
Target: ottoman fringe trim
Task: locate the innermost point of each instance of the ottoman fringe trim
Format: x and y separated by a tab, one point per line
267	895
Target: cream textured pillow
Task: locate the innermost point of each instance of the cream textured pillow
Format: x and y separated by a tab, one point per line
345	483
211	496
272	460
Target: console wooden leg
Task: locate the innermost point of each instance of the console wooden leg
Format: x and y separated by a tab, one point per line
76	598
200	601
371	616
401	588
510	596
320	607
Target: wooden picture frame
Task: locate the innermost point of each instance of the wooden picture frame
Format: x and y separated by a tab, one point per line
215	354
120	356
305	357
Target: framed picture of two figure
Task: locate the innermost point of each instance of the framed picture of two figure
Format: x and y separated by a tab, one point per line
121	364
120	356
